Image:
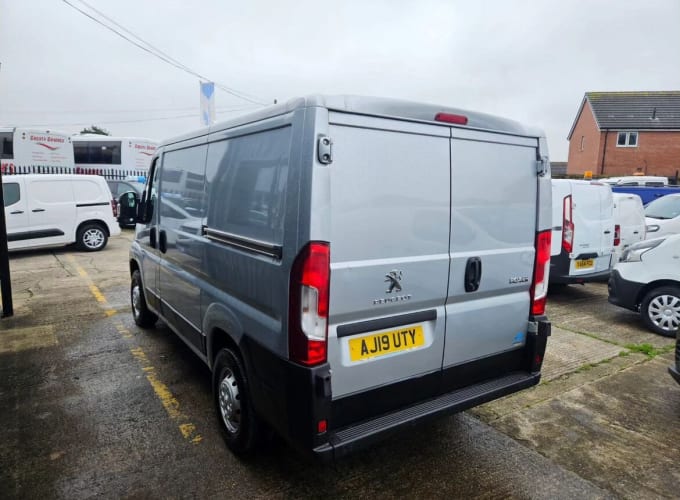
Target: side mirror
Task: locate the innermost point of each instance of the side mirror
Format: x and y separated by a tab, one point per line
653	228
129	200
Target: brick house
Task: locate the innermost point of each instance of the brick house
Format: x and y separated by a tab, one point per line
622	133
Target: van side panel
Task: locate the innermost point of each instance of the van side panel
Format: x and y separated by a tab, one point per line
496	229
389	217
250	227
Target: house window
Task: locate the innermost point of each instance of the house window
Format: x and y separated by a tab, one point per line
627	140
583	141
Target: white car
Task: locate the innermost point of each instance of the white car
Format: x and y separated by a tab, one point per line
44	210
663	216
647	280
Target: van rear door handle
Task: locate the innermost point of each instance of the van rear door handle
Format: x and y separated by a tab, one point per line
17	212
607	232
473	274
38	210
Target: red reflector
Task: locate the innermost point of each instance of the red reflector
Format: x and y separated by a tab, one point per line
617	235
322	426
451	118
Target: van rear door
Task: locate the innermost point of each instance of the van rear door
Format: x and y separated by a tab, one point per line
494	188
389	248
593	228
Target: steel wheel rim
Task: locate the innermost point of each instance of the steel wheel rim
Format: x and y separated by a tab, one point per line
93	238
230	403
664	312
136	301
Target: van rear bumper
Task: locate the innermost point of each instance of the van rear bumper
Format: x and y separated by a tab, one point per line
560	266
294	399
352	438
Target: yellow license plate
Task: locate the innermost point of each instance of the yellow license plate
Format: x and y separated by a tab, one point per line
380	344
585	263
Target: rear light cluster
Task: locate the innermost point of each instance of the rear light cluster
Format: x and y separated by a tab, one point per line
617	235
568	225
308	313
114	207
539	289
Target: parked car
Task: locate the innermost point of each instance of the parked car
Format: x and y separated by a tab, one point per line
629	222
647	280
583	231
663	216
49	210
322	276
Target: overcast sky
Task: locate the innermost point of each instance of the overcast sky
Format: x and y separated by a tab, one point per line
527	60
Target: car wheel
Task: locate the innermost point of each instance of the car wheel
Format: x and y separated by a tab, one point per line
238	422
661	310
91	237
143	317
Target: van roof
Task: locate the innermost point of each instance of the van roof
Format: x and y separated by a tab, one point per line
372	106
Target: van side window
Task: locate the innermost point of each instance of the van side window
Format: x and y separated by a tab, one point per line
182	183
248	178
6	145
11	193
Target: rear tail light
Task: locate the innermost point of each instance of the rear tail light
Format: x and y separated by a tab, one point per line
114	208
308	313
617	235
539	289
567	225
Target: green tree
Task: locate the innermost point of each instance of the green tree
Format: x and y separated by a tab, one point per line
95	130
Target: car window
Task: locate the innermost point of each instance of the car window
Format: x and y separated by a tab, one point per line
113	186
666	207
11	193
248	182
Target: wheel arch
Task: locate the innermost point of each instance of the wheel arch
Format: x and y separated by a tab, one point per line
99	222
223	329
651	286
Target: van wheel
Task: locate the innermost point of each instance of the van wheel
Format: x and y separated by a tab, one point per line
143	317
91	237
661	310
238	422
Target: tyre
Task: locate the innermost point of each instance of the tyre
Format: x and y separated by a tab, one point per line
91	237
143	317
660	310
238	422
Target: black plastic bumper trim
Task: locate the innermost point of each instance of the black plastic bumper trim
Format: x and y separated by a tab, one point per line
622	292
350	439
674	373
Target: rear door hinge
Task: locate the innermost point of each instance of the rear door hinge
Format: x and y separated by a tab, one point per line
542	166
325	149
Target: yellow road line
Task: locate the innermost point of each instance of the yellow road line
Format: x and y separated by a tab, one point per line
164	394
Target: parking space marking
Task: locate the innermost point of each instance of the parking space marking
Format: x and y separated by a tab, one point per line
167	399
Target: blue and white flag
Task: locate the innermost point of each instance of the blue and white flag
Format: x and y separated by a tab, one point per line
207	103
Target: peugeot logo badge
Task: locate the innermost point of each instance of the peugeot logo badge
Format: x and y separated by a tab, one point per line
393	278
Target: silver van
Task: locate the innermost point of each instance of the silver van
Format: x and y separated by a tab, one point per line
341	268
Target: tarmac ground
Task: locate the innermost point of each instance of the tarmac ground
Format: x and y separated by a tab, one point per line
91	405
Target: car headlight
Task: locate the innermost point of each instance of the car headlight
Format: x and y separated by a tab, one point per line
634	252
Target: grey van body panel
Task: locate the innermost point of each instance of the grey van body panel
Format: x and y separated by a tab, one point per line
393	219
231	275
499	230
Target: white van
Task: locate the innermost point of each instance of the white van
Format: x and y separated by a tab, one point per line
629	222
583	231
49	210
